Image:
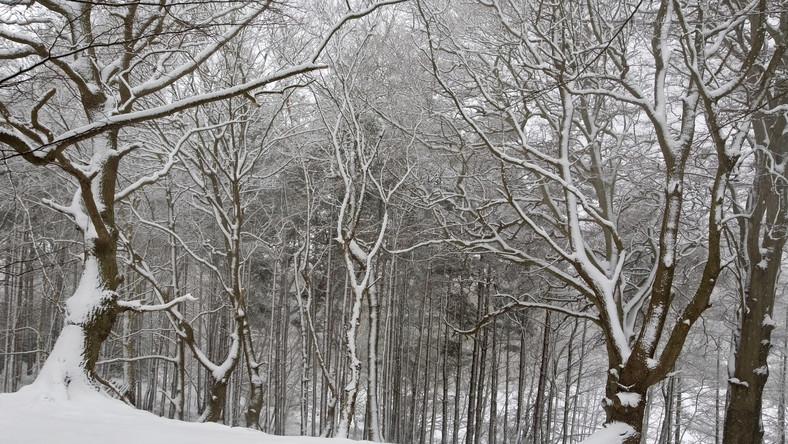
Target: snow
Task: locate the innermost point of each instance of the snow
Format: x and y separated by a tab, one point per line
88	296
220	372
737	381
650	332
31	416
629	399
613	433
768	321
62	365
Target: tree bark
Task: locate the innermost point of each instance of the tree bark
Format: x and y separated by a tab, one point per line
540	390
764	236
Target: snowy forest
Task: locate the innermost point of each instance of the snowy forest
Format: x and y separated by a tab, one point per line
402	221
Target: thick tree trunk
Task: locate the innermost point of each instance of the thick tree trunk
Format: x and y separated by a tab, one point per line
629	413
745	386
764	235
90	314
92	309
625	400
214	405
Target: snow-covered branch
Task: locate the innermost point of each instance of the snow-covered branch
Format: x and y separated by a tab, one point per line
139	307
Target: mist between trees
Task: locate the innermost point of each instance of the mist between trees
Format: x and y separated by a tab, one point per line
415	221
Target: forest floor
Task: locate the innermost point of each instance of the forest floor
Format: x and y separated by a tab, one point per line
30	417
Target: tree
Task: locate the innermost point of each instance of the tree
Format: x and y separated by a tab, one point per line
762	228
117	84
535	89
358	144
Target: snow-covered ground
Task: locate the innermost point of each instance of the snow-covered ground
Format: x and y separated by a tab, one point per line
32	417
613	433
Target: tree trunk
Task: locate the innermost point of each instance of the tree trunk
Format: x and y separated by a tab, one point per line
764	234
374	431
781	402
354	367
539	403
568	384
445	384
627	407
214	404
92	309
470	429
90	314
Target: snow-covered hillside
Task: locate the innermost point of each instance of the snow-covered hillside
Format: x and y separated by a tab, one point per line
31	417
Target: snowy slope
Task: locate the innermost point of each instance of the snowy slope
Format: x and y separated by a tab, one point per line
613	433
31	417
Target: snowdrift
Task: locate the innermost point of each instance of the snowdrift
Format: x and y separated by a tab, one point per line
31	416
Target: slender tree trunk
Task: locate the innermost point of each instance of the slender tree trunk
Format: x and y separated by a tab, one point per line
540	390
677	415
521	373
434	400
354	366
374	430
455	431
781	385
581	361
129	367
492	434
425	379
470	429
445	383
568	384
667	420
646	417
507	376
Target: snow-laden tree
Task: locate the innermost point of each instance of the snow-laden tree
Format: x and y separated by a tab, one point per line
111	66
760	241
577	106
370	177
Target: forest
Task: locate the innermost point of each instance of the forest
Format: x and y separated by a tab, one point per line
402	221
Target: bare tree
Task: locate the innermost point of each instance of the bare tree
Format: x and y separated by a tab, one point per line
364	169
118	84
762	235
553	118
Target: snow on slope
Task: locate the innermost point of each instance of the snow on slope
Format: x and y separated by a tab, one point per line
613	433
30	416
